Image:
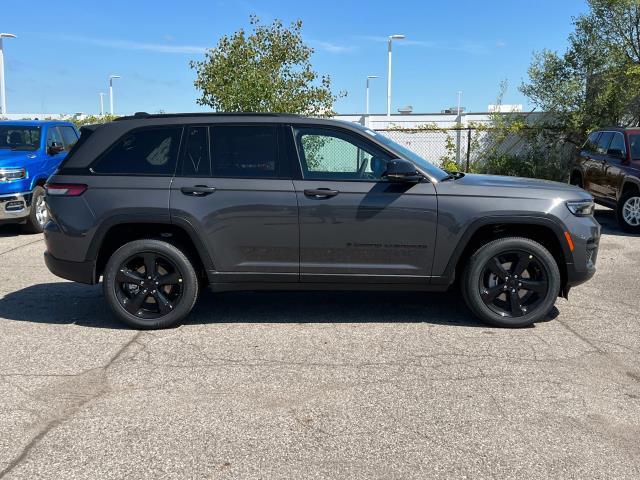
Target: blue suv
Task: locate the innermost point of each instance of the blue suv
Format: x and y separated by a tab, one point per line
30	151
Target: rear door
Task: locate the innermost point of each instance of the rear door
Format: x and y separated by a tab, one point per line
234	187
354	225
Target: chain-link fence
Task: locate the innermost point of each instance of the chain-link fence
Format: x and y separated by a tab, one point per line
478	149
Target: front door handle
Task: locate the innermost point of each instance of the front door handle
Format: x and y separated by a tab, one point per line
321	193
198	190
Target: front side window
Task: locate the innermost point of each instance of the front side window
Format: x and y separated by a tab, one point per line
592	142
53	137
151	151
617	146
244	151
337	155
603	142
69	137
634	146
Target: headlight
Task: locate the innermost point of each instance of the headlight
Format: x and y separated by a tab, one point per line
12	174
581	208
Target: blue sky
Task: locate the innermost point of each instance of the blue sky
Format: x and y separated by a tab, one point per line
67	49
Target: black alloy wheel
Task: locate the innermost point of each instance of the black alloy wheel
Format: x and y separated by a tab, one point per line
513	283
149	285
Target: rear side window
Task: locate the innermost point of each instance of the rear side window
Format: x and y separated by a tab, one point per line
603	142
244	151
151	151
69	137
195	160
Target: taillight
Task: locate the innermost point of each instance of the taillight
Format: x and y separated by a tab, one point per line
65	189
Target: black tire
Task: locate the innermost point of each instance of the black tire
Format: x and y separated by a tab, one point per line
35	222
492	297
162	305
629	200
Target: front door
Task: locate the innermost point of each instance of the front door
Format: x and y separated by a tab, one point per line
234	188
613	170
354	225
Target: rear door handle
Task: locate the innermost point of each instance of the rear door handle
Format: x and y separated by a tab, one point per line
321	192
198	190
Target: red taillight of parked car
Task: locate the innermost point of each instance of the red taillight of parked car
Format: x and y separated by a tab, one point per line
65	189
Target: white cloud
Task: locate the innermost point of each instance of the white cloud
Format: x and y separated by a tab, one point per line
131	45
331	47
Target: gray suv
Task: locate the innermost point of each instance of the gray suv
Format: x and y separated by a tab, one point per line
159	206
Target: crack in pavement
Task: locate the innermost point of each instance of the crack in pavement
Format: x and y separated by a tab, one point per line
78	391
21	246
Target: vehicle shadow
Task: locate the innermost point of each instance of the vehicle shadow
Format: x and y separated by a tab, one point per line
66	303
606	217
10	230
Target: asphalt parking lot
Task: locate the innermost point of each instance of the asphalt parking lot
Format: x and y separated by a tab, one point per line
317	385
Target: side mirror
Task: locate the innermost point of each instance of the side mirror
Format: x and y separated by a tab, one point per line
615	152
401	171
55	148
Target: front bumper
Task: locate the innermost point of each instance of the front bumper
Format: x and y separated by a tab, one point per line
15	206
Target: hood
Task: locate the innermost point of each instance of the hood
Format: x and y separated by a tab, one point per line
15	158
502	186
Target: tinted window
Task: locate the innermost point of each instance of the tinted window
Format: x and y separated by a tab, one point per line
634	146
244	151
17	137
150	151
53	136
195	160
69	137
603	142
617	143
333	154
592	142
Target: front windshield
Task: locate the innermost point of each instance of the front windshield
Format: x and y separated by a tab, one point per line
435	172
19	137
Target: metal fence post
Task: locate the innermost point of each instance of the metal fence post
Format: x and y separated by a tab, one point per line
468	148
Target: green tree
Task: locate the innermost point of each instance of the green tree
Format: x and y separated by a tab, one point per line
266	70
596	82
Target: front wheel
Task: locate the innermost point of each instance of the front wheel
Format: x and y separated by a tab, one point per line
150	284
628	211
511	282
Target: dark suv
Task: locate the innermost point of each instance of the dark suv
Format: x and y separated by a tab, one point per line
608	166
161	205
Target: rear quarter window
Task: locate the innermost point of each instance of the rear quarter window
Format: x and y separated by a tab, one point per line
149	151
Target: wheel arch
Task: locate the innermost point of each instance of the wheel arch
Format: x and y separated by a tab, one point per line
544	230
117	232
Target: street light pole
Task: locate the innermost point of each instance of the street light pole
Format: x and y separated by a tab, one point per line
390	39
367	101
102	103
3	93
111	77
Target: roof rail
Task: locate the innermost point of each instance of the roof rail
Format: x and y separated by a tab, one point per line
139	115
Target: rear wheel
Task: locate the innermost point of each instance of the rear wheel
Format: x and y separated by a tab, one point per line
39	214
150	284
511	282
628	211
